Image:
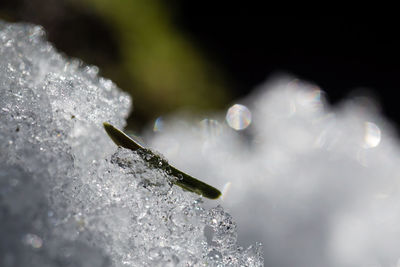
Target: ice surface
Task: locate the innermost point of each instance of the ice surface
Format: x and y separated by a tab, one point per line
68	196
318	186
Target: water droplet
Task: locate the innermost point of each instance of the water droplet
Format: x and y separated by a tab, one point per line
372	136
238	117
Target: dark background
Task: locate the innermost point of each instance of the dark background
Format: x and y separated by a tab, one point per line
340	54
247	44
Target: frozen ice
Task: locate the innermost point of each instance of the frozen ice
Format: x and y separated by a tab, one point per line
316	185
68	196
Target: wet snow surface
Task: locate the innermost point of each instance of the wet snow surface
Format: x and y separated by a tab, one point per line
68	196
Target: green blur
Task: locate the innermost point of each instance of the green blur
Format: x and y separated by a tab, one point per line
159	67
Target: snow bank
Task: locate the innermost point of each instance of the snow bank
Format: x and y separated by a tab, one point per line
68	196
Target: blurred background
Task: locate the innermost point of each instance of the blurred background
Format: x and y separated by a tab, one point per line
172	55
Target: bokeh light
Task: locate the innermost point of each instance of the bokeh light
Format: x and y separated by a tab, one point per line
238	117
210	128
158	125
372	136
32	240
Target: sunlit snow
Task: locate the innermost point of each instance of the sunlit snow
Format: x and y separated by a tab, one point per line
68	195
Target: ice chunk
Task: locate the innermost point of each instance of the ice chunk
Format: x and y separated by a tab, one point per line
68	196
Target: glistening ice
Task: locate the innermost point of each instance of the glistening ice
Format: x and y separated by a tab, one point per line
68	196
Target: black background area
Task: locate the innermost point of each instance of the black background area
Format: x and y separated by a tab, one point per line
338	53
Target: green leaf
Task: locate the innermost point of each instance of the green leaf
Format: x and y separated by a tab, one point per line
183	180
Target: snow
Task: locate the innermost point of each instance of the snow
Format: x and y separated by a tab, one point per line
316	185
68	196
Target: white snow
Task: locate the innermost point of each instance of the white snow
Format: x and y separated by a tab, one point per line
318	186
68	196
